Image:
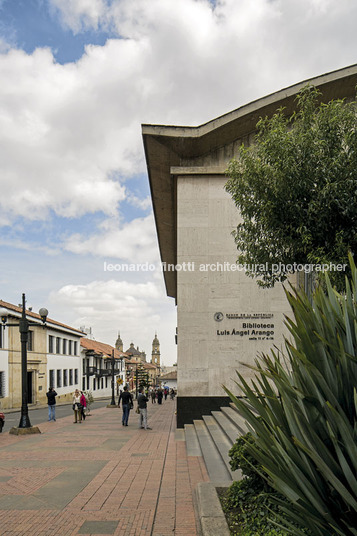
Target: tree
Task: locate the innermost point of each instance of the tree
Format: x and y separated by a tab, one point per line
296	189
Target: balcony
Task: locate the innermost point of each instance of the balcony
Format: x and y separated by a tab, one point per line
90	371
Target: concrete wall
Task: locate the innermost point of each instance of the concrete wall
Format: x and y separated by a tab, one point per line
208	352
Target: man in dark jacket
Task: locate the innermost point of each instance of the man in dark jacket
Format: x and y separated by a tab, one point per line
142	405
51	401
127	401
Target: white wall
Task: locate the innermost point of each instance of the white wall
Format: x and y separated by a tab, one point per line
208	353
61	362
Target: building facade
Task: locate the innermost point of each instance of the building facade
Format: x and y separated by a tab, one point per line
97	367
53	359
224	320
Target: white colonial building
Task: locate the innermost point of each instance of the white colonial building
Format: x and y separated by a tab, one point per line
53	359
96	358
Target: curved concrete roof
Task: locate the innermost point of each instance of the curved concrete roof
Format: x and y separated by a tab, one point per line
166	146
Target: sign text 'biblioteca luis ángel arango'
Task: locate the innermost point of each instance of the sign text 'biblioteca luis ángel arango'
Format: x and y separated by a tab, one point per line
253	326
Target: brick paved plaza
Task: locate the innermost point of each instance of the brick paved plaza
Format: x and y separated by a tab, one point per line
99	477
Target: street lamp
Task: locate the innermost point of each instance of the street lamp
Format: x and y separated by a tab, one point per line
112	403
23	325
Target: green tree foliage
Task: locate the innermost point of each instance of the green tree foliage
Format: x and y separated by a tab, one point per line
306	432
296	188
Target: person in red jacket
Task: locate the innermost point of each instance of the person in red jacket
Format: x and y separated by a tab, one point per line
84	405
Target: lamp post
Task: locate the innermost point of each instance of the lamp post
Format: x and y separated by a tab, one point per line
112	403
23	325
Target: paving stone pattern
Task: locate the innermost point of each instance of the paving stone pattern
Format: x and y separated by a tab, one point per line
99	477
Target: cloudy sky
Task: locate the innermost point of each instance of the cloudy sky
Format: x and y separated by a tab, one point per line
77	80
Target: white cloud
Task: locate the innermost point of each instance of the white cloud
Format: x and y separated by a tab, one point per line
143	204
136	309
135	241
81	14
70	133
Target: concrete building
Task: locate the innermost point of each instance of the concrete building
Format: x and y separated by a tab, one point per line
223	318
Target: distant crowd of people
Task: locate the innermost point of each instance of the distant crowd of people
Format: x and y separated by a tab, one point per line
79	403
159	394
127	402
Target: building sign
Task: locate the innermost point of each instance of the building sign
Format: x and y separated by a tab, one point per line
251	326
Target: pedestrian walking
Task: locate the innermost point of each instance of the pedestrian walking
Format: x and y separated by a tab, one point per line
142	405
153	396
84	405
127	403
51	401
160	396
172	394
166	392
77	407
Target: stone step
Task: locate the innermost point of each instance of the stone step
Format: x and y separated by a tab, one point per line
232	405
222	442
215	465
228	427
192	444
236	419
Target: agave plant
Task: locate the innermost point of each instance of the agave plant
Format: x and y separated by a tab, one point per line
306	436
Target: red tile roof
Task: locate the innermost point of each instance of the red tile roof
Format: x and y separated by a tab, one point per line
18	309
101	348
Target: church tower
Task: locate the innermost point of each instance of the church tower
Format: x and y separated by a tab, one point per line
155	354
119	343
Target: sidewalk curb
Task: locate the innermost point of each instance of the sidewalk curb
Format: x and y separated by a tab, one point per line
211	518
44	406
